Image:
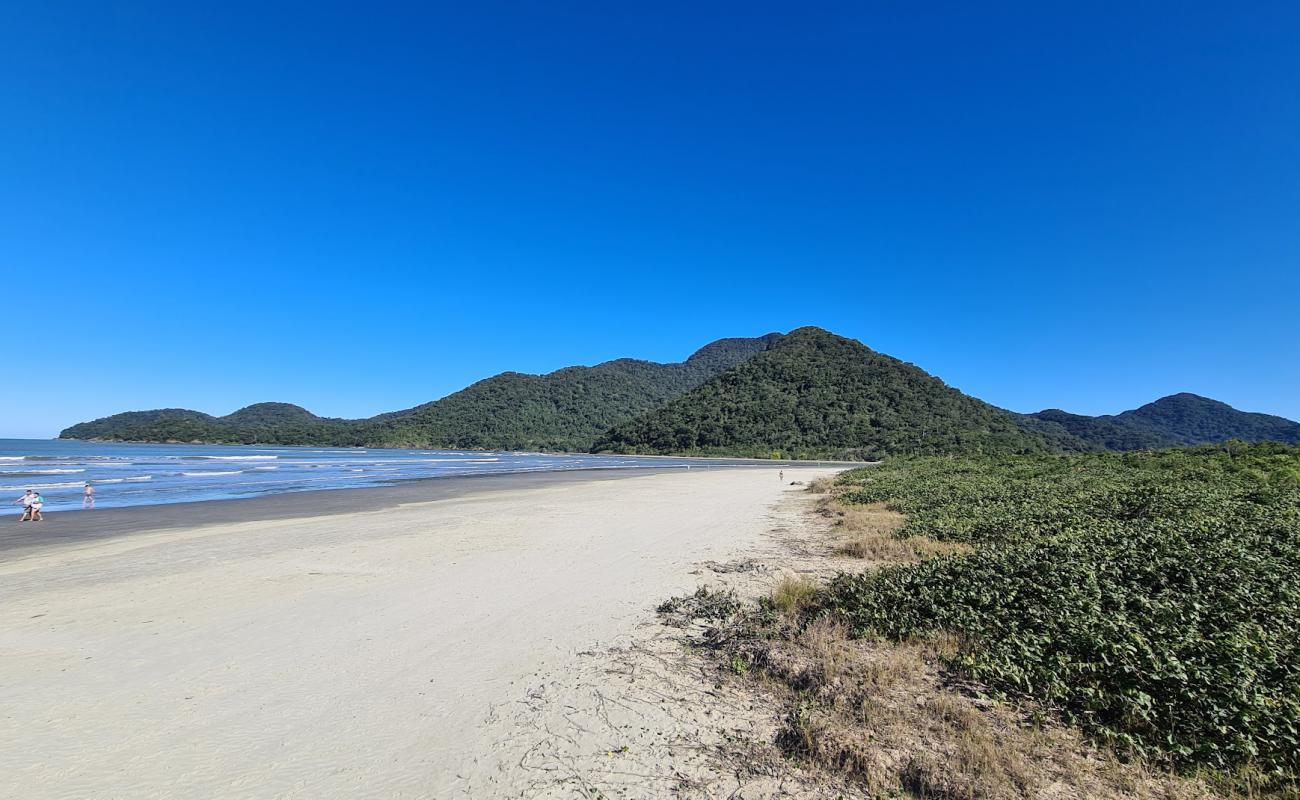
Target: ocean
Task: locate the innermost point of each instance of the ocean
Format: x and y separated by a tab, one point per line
151	474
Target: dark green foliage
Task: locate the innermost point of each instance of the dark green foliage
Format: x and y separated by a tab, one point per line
563	410
1174	421
809	395
1189	419
815	394
1152	598
262	423
1102	432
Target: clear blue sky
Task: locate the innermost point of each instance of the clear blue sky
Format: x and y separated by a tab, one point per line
362	207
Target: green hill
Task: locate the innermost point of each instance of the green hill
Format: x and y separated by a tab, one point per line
810	393
562	410
818	394
1178	420
261	423
1103	432
1190	419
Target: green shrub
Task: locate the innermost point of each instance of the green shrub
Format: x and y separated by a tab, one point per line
1152	598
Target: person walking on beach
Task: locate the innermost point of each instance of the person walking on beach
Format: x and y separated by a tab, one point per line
88	497
37	502
26	501
781	476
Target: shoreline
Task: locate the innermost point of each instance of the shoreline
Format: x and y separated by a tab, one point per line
79	526
68	526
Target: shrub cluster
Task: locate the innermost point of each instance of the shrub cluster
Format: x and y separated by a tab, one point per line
1153	598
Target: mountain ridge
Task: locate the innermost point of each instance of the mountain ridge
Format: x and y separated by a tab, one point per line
565	409
1182	419
832	396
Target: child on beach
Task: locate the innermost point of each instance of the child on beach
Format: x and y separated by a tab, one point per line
37	502
88	497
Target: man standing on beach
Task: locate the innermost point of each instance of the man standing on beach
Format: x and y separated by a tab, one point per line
88	496
26	501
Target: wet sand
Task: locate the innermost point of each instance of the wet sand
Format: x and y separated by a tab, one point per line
76	527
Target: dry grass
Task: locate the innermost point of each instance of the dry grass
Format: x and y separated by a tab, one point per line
882	716
871	533
795	594
821	486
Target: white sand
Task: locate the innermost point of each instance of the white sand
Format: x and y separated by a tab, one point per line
339	656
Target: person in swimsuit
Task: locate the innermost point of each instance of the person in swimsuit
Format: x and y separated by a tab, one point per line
88	497
37	502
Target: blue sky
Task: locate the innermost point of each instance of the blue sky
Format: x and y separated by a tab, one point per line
362	207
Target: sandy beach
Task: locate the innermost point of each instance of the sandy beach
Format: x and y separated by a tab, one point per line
340	654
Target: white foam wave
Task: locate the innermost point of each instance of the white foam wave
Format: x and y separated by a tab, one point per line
236	458
124	480
39	486
211	473
42	471
264	469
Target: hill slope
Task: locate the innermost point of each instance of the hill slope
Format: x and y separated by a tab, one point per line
818	394
1191	419
1103	432
563	410
1174	421
261	423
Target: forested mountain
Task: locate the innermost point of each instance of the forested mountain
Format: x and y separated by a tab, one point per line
810	393
1191	419
818	394
1103	432
1174	421
261	423
562	410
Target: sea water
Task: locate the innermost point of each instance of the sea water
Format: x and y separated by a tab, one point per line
149	474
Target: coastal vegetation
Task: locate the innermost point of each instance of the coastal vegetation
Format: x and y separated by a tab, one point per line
1150	598
1088	621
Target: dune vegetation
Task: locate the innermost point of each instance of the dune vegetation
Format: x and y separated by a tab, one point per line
1150	598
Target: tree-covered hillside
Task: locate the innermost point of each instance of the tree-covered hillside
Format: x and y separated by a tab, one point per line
563	410
261	423
1103	432
1174	421
810	393
818	394
1190	419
